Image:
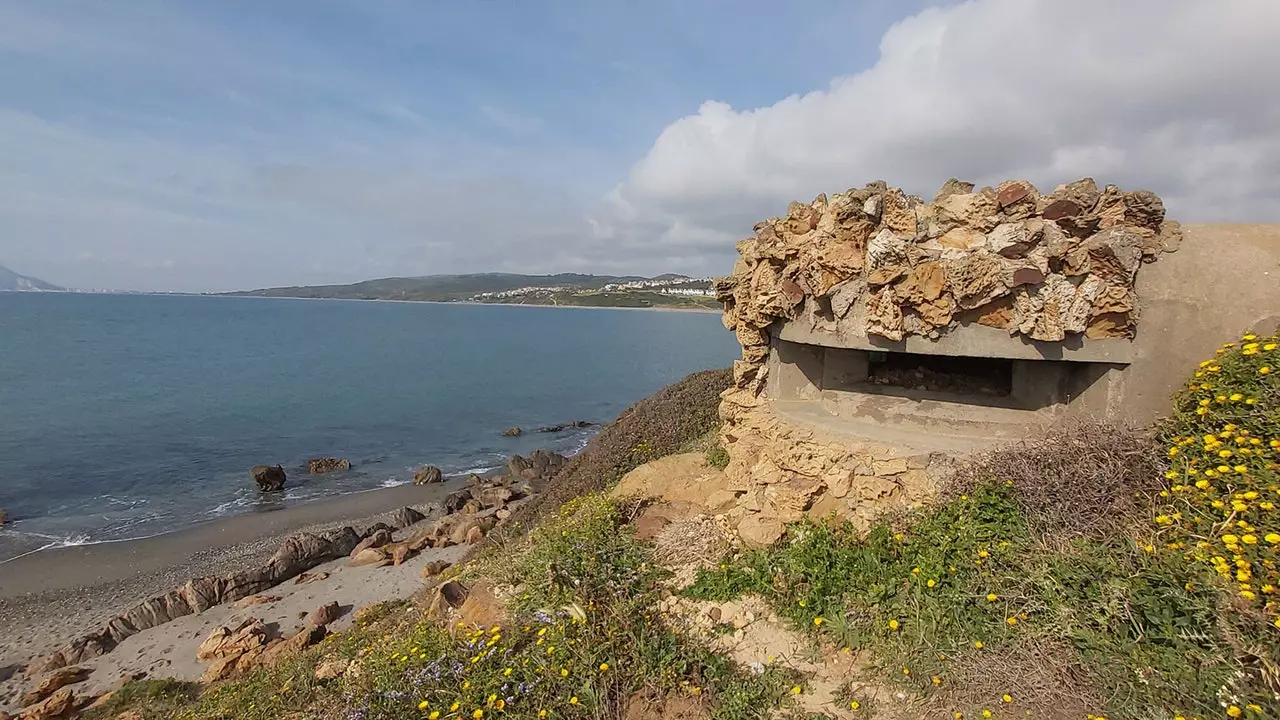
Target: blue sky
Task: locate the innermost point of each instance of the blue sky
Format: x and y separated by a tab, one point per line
229	144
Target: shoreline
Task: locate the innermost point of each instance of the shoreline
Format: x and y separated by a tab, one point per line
52	596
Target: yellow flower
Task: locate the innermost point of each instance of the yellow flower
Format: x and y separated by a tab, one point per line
1264	370
959	716
986	713
1236	397
1007	698
906	671
935	680
423	705
573	700
435	715
817	622
478	714
1269	347
1233	711
542	713
931	582
1011	621
454	707
1249	540
893	624
795	690
991	597
982	553
854	704
1249	337
564	672
915	571
978	643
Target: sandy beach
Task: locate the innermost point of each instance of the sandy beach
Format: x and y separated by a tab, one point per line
51	597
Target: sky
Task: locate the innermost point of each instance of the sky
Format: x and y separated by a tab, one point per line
208	145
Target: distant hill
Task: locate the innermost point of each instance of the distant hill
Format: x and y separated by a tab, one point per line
443	288
11	281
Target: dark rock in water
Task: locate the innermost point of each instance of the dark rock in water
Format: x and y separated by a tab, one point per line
406	516
320	466
428	475
3	517
512	432
269	479
564	426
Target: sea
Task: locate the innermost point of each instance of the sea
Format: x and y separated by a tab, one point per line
125	416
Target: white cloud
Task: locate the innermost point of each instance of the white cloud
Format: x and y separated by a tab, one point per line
1178	96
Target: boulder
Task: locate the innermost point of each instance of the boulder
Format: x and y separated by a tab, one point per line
331	669
428	475
482	607
370	556
320	466
760	531
516	465
446	597
269	479
250	635
406	516
377	539
455	501
474	535
53	682
325	614
61	704
512	432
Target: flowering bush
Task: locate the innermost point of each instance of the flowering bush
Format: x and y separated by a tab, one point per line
1224	477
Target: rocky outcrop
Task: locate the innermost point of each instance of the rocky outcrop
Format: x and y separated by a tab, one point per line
269	479
53	682
428	475
61	704
251	644
299	552
406	516
3	517
320	466
512	432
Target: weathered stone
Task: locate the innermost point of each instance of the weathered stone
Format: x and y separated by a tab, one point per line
953	187
898	213
1010	240
280	651
1082	193
1113	255
428	475
1110	207
845	295
925	283
320	466
886	275
1144	209
269	479
890	467
61	704
997	314
760	531
873	487
406	516
976	279
370	556
884	316
227	641
325	614
376	539
474	535
962	238
446	597
54	681
1010	193
972	210
1110	325
512	432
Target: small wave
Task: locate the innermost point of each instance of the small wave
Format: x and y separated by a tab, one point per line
393	482
228	506
478	470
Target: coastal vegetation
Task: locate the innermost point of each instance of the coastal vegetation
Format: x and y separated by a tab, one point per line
1097	572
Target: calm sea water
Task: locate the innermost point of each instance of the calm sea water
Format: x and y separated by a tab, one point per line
126	416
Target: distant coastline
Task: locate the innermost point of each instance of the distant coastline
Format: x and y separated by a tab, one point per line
470	303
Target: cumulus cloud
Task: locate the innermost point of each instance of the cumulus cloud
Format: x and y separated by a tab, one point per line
1177	96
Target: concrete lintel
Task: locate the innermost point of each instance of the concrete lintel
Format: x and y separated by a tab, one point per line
969	341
